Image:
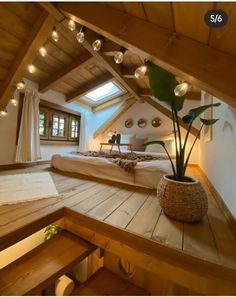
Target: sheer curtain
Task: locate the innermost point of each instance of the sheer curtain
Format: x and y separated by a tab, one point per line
84	141
28	147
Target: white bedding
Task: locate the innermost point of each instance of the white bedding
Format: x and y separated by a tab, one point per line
147	174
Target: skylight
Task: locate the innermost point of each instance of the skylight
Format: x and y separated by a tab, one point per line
106	91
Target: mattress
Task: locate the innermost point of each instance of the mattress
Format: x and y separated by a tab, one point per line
147	174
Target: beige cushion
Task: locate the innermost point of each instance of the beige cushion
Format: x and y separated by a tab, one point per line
157	148
138	143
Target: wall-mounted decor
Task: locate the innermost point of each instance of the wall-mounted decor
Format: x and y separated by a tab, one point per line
129	123
142	123
156	122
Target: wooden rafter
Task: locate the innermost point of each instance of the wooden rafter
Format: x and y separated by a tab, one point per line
190	95
89	87
115	116
110	103
167	113
208	68
80	62
37	36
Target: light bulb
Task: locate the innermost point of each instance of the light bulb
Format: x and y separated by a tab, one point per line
3	113
43	51
14	102
55	35
97	45
140	72
181	89
119	56
71	25
20	85
80	37
31	68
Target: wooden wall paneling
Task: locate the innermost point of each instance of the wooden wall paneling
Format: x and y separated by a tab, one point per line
51	61
189	20
27	11
55	51
6	58
43	66
116	5
38	76
194	61
89	86
70	80
25	56
224	38
9	43
190	95
160	13
13	24
135	9
3	72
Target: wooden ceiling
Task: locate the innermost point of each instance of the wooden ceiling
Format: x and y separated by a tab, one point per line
73	69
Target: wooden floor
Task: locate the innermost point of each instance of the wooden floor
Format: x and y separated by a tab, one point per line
131	208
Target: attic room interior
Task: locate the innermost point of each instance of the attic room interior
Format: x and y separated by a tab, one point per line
118	148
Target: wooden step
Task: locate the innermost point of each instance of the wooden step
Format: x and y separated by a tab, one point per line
106	283
44	264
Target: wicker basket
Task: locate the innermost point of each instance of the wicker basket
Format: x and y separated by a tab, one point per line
183	201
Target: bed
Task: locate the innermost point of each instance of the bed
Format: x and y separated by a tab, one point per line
147	173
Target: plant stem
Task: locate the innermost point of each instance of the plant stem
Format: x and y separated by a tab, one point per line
176	148
172	164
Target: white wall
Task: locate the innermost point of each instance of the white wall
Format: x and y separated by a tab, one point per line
218	157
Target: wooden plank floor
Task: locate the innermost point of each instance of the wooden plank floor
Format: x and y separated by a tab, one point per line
131	208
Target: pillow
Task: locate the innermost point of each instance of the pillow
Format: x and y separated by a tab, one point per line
157	148
125	138
138	143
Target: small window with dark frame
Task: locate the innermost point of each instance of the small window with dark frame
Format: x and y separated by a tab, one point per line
42	123
58	126
74	131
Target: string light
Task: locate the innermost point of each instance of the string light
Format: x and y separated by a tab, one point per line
97	45
3	113
80	35
43	51
31	68
21	85
71	25
181	89
14	102
140	72
119	56
55	35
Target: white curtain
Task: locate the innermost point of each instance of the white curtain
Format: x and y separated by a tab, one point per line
28	147
84	140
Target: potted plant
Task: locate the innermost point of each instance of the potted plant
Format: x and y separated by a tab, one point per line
181	197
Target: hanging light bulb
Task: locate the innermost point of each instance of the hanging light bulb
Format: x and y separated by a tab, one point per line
43	51
21	85
181	89
97	45
80	36
119	56
31	68
140	72
3	113
55	35
14	102
71	25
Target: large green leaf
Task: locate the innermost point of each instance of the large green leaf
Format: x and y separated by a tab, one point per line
195	112
162	143
163	84
209	122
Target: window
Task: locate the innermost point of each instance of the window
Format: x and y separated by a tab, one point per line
57	125
104	92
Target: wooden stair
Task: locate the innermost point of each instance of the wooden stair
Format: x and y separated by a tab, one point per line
106	283
34	271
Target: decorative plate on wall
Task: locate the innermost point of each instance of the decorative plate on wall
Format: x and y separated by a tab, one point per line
142	123
156	122
129	123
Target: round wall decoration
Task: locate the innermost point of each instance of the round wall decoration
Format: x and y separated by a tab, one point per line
129	123
142	123
156	122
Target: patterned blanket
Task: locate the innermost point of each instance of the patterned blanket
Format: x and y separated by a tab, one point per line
126	161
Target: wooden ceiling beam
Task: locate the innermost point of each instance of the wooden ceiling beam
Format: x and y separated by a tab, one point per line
101	80
115	116
203	66
196	96
37	36
168	113
79	63
51	9
110	103
128	71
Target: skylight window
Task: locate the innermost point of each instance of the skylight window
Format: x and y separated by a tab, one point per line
106	91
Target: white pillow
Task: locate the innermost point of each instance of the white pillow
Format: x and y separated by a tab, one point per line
157	148
125	138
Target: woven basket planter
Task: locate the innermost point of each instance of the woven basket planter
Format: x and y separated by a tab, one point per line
183	201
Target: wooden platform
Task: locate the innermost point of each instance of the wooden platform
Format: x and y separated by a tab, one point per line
135	210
